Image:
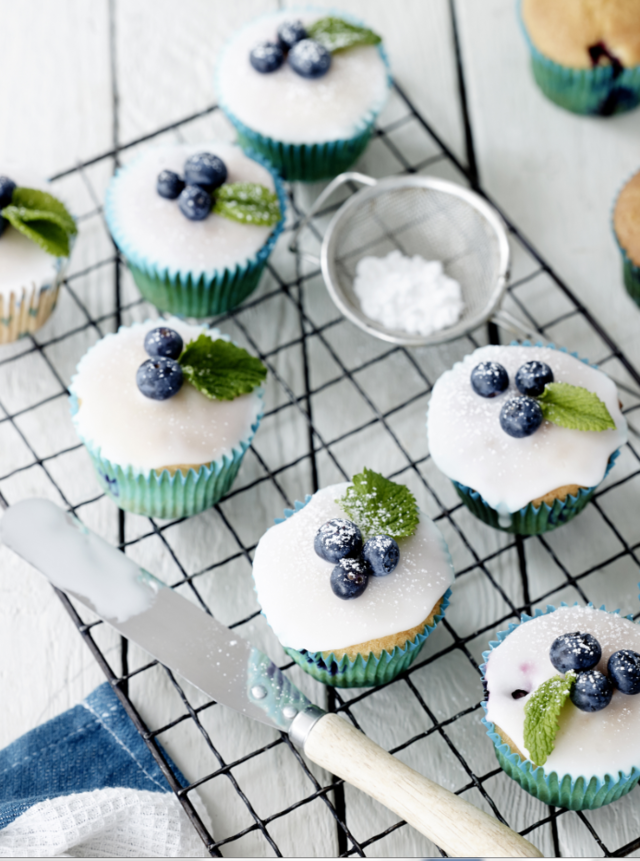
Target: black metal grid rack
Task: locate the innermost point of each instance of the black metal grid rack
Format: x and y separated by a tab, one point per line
500	574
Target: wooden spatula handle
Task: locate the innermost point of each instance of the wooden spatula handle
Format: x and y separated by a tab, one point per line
446	819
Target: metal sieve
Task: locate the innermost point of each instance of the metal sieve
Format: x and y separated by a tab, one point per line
423	215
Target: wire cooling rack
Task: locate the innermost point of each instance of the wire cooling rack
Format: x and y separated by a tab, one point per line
317	363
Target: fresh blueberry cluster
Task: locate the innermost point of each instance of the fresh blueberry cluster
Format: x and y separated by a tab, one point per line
580	652
340	541
203	173
307	58
6	193
160	377
521	415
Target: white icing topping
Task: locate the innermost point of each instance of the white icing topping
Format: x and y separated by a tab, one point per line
288	107
156	228
293	582
131	429
587	743
468	444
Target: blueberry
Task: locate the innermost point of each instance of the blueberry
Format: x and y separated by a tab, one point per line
169	184
194	202
206	170
163	342
489	379
382	553
532	377
6	191
350	577
309	59
575	651
624	671
159	378
290	32
337	538
520	416
591	692
266	57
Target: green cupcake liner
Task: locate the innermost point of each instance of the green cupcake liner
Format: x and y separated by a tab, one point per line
571	792
366	670
630	270
599	91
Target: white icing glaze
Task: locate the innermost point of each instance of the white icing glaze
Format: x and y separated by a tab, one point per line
285	106
468	445
293	588
587	743
131	429
158	231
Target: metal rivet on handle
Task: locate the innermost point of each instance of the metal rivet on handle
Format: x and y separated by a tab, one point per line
258	692
289	712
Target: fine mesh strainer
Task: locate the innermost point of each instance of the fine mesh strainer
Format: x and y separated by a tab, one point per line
423	215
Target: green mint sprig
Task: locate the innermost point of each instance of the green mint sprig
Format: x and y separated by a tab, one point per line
42	218
219	369
541	715
574	407
380	506
248	203
337	35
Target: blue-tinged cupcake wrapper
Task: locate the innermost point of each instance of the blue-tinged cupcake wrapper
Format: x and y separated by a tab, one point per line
24	312
532	520
597	91
308	162
161	494
630	270
366	670
574	792
194	294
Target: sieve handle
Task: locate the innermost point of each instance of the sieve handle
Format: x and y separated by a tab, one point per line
349	176
512	324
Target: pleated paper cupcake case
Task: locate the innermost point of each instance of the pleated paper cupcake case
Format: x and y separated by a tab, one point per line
630	270
195	294
366	670
597	91
580	792
532	520
24	313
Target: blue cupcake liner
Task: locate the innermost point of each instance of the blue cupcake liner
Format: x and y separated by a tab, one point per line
532	520
366	670
630	270
574	793
597	91
307	162
187	293
160	494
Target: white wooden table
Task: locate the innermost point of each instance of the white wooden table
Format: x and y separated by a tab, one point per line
82	78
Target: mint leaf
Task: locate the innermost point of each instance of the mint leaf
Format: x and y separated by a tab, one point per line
379	506
248	203
336	34
541	715
574	407
42	218
219	369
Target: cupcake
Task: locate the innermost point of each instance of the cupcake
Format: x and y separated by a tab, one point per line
353	581
561	705
525	433
626	226
585	54
166	411
196	225
303	90
36	233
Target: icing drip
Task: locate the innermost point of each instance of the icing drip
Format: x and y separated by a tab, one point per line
468	445
600	742
129	428
293	588
290	108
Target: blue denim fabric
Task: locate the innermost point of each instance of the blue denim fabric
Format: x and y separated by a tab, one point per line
92	746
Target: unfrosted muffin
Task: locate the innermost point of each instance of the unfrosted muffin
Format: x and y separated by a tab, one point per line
168	453
626	226
359	639
585	53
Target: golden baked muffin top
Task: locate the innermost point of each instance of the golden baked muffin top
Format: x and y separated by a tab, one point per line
565	30
626	218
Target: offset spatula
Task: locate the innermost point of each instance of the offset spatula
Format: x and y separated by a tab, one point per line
229	669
